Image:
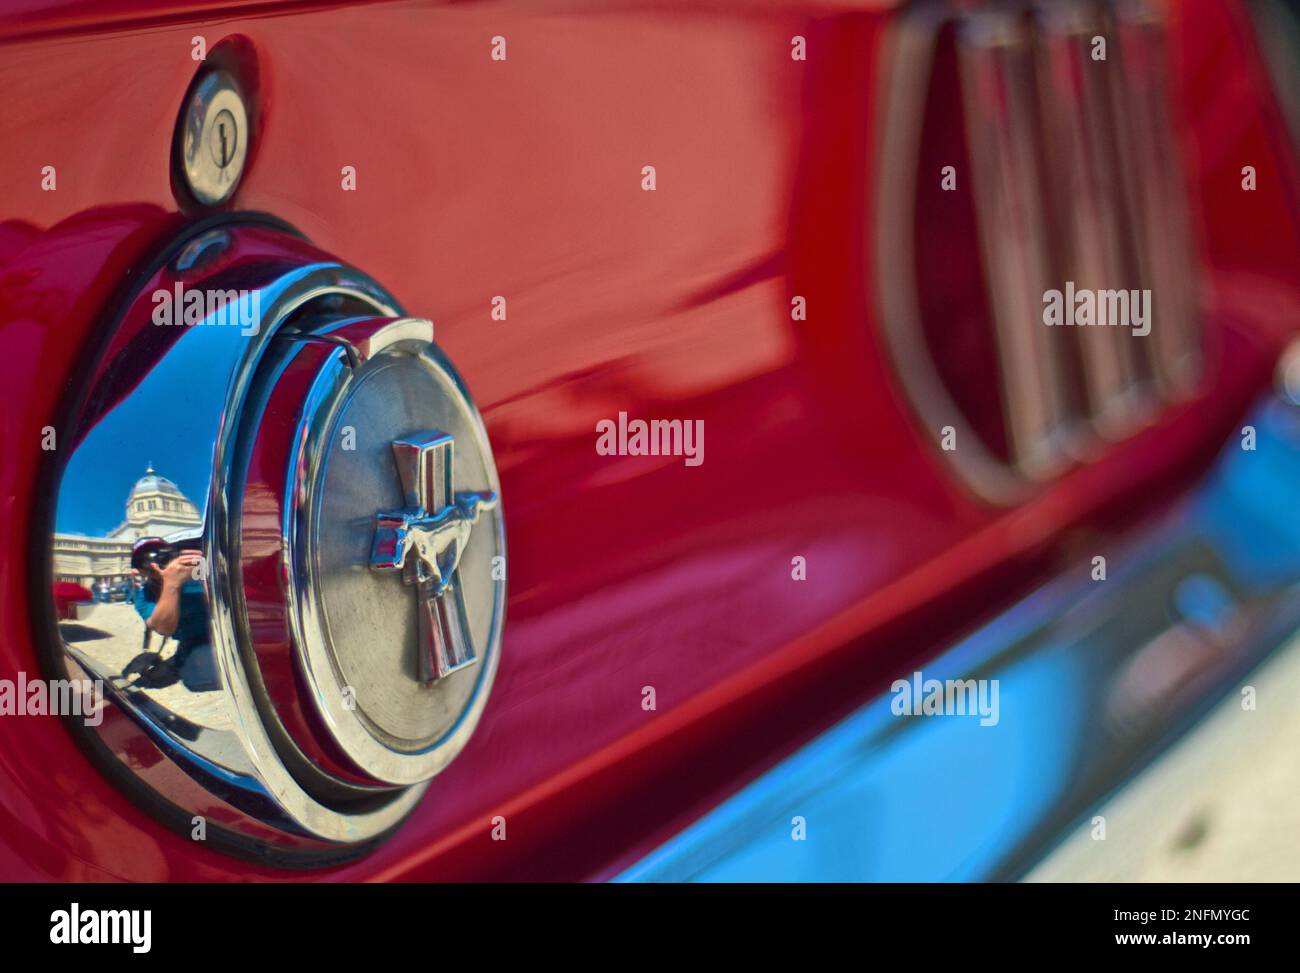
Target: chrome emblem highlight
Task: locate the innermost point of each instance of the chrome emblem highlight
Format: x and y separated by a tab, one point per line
425	541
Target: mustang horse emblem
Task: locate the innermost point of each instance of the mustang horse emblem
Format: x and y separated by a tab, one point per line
435	542
426	541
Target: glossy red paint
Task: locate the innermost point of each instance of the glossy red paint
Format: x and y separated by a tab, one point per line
522	178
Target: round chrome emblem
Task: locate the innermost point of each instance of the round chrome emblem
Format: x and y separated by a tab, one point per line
395	541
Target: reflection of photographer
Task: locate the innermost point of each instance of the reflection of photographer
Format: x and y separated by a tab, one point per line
166	576
171	602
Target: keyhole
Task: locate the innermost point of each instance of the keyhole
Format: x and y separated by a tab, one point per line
223	140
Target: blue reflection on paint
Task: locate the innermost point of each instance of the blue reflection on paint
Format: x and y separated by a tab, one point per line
899	798
942	798
1250	501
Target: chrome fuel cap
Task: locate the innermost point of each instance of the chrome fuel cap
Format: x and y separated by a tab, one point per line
389	521
315	457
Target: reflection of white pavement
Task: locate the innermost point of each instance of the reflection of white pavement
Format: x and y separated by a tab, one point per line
112	635
1220	806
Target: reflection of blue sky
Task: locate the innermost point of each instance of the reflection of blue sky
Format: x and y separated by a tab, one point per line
169	420
942	799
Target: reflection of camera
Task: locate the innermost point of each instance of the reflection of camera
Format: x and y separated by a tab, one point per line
159	558
157	552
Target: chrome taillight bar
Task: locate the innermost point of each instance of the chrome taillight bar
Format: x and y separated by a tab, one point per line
1076	182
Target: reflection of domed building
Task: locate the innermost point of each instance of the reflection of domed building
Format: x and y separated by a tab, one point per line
155	507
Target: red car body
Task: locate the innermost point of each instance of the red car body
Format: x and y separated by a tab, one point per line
522	178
